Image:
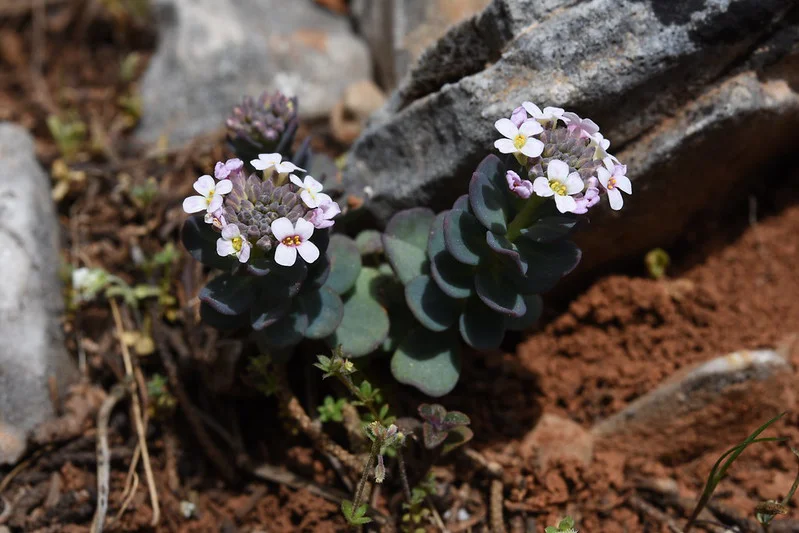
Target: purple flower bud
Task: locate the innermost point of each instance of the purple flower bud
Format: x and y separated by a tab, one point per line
518	186
518	116
231	166
322	216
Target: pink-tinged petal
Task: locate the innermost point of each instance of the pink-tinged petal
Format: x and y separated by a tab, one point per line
624	183
616	201
224	248
204	185
296	181
308	251
565	204
531	127
603	175
215	203
574	183
512	178
309	199
518	116
541	187
285	255
557	170
524	190
505	146
322	199
531	108
312	185
304	229
590	127
581	206
230	231
506	128
282	228
223	187
609	164
569	117
330	209
195	204
532	148
244	255
555	112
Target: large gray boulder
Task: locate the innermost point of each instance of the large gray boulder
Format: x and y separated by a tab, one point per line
213	52
697	94
32	352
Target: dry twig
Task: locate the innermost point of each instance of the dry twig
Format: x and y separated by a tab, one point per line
104	456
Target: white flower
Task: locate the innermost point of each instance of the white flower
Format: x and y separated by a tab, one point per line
582	128
210	198
519	140
310	191
273	161
613	178
547	115
294	239
601	144
216	219
232	243
560	184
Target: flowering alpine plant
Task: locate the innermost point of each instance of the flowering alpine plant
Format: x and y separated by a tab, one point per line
477	270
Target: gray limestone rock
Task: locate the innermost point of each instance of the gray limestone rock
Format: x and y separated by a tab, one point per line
32	351
213	52
673	84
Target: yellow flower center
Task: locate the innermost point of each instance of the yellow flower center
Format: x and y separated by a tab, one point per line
519	141
237	243
611	183
209	197
558	187
292	240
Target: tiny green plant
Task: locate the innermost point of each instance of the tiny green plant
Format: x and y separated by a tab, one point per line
331	409
69	133
566	525
657	261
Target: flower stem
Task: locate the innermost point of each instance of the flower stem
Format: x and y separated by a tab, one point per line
365	475
524	218
406	488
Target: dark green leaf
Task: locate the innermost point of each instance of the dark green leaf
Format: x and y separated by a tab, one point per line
405	242
465	237
507	250
462	204
453	278
534	307
200	241
289	330
497	292
456	438
428	361
456	418
345	263
432	308
220	321
432	436
489	195
229	294
318	273
480	327
365	323
325	311
261	266
550	228
369	242
546	263
432	412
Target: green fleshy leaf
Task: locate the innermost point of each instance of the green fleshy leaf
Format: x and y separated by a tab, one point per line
455	279
345	263
456	418
292	277
261	266
506	250
369	242
534	307
489	195
498	293
480	327
229	294
405	242
220	321
272	301
365	323
432	412
429	361
462	204
431	307
432	436
325	311
288	331
547	263
318	273
550	228
456	438
465	237
200	241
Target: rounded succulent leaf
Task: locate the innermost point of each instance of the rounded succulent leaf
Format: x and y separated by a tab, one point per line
369	242
228	294
455	279
502	246
456	438
261	266
489	196
292	277
465	237
405	242
550	228
534	307
432	412
345	263
325	311
480	327
289	330
272	302
218	320
318	273
200	241
429	361
365	323
498	293
462	204
431	307
547	263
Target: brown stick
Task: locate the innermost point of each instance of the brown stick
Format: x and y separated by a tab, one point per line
104	457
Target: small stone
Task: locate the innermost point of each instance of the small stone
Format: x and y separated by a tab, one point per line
349	116
557	439
716	403
33	357
214	52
